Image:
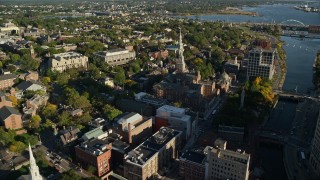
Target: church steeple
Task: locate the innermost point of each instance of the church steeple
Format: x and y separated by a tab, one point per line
180	65
34	169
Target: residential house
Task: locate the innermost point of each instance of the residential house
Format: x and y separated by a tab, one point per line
10	118
24	86
7	81
4	101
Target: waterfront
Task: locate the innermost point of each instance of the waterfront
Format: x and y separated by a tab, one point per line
300	58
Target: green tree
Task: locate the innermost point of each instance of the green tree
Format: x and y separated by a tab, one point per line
120	76
85	118
7	136
49	110
28	63
64	119
35	122
17	147
48	124
110	112
62	78
70	174
15	57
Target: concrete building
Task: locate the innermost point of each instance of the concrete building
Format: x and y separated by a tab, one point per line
150	157
116	57
97	153
63	61
315	150
133	127
226	164
7	81
176	118
10	118
192	165
149	99
261	63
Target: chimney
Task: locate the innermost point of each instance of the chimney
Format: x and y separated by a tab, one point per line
129	133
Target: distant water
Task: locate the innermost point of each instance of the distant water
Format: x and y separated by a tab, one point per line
267	13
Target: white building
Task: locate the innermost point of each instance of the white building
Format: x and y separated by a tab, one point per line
261	63
116	57
63	61
226	164
177	119
34	169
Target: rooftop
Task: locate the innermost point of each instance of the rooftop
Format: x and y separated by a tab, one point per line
7	111
67	55
129	118
151	146
95	146
172	109
7	76
193	156
112	52
236	156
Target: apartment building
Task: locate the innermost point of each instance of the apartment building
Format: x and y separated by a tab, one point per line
116	57
192	165
63	61
226	164
7	81
10	118
261	63
150	157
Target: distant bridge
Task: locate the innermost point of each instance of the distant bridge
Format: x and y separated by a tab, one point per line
293	21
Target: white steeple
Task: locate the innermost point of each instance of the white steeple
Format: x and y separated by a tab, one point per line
180	65
34	169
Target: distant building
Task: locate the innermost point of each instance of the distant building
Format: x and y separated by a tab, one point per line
149	99
314	29
315	150
261	63
7	81
133	127
192	165
129	105
150	157
10	118
176	118
231	134
264	44
8	28
97	153
116	57
30	76
226	164
24	86
63	61
163	54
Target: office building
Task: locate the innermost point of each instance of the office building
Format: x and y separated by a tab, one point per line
192	165
96	153
133	127
150	157
315	150
176	118
63	61
226	164
261	63
116	57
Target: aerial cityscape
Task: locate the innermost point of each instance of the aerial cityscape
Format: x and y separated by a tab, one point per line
159	90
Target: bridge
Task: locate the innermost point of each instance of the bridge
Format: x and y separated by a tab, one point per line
294	95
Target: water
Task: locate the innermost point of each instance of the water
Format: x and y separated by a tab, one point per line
268	14
300	58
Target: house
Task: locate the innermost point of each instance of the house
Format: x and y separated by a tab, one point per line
32	105
4	101
7	80
68	135
27	86
10	118
30	76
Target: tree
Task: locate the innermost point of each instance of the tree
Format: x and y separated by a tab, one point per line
85	118
64	119
110	112
14	100
35	122
27	139
48	124
17	147
7	136
62	78
70	174
120	76
91	169
46	80
49	110
28	63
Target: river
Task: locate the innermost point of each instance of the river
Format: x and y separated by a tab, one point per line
300	58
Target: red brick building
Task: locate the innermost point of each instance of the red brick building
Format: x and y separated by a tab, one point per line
314	29
7	80
97	153
192	165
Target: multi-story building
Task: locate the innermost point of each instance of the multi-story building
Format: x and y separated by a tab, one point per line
63	61
7	80
32	105
97	153
4	101
10	118
149	99
176	118
315	150
192	165
226	164
153	155
116	57
261	63
133	127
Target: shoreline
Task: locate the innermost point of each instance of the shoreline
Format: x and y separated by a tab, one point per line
243	13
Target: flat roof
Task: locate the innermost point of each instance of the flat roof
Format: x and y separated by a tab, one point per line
172	109
68	55
194	156
95	146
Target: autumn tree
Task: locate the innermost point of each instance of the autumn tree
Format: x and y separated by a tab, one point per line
35	122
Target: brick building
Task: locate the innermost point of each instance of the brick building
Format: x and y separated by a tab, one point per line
4	101
95	152
7	80
192	165
10	118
